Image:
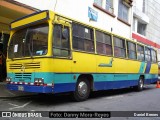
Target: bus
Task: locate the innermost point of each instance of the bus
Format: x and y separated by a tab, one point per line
51	53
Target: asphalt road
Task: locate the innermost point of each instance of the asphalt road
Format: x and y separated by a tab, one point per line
113	100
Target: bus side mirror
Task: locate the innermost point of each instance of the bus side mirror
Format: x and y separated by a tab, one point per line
65	33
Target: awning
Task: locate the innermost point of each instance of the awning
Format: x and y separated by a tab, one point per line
11	10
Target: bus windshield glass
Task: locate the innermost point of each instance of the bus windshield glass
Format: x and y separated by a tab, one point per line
29	42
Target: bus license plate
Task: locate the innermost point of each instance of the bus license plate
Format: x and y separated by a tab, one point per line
20	88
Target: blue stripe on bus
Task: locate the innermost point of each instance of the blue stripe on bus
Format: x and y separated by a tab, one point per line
148	67
68	87
58	88
31	88
119	84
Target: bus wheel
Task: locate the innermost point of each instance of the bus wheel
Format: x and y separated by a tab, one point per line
82	90
140	84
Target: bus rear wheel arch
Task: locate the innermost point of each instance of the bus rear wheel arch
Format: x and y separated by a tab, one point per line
83	88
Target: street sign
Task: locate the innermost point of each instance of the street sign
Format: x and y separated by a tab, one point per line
92	14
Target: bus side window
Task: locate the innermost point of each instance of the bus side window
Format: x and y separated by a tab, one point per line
104	43
140	52
61	46
154	56
147	54
82	38
131	50
119	47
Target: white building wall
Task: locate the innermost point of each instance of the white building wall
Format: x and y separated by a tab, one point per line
138	4
151	17
78	10
153	28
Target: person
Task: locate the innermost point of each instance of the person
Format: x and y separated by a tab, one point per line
2	66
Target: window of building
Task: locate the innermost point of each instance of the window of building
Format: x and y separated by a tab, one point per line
123	11
119	47
140	52
82	38
141	29
131	50
105	5
109	6
144	8
154	56
61	46
104	44
98	2
134	24
147	54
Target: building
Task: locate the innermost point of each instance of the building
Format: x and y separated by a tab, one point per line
111	15
133	19
146	19
9	11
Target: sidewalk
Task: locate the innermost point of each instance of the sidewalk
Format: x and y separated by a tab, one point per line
4	93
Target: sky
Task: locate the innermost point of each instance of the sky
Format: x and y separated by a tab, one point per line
40	4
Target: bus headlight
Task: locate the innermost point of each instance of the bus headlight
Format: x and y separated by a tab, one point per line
39	80
8	79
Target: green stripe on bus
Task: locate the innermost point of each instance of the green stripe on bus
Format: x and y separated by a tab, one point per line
142	67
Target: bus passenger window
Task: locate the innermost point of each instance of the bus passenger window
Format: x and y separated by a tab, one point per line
61	46
147	54
154	56
119	47
131	50
104	43
140	52
82	38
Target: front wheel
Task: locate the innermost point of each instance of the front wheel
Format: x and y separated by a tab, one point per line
140	84
82	90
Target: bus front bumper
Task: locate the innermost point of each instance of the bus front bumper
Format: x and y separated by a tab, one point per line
30	88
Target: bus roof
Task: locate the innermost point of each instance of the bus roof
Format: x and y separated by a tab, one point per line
47	14
31	19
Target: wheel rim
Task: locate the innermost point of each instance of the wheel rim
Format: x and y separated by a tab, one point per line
141	83
82	88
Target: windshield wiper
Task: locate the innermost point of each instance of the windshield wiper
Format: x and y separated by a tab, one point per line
10	52
29	48
30	51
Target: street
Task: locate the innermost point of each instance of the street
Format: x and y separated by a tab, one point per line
113	100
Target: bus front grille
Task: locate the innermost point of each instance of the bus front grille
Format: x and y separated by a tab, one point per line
15	66
33	65
23	76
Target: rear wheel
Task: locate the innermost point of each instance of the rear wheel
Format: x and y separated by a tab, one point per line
82	90
140	84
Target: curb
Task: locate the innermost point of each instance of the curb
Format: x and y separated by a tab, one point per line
14	97
3	83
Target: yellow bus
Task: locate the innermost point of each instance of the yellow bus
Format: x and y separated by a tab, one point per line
51	53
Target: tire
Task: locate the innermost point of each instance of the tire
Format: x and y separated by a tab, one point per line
82	90
140	84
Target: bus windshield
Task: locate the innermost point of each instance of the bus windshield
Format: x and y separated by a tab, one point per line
29	42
